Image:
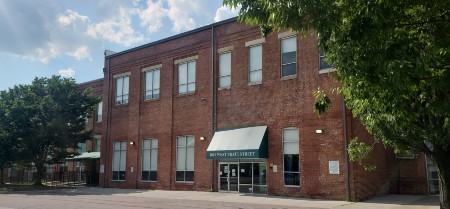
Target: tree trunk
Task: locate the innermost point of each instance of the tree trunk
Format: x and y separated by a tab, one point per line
441	158
39	173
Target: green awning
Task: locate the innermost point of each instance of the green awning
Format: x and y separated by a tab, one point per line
249	142
86	156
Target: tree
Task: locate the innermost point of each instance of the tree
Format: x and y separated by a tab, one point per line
46	118
393	60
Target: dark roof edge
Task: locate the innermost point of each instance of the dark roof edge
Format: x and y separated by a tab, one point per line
173	37
89	82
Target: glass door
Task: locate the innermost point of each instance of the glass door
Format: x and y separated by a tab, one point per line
228	177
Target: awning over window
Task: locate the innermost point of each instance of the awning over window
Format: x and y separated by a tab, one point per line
249	142
86	156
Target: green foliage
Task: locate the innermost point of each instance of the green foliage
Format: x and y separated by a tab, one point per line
393	60
42	120
322	102
358	151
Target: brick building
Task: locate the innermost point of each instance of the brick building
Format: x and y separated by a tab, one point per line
221	108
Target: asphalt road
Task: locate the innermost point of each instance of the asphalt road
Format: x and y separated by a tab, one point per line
97	198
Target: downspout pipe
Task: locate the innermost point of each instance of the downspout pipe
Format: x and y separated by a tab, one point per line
108	118
347	173
213	99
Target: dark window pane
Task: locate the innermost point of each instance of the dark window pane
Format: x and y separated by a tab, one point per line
180	176
289	57
121	175
153	175
292	179
145	175
291	163
288	70
259	174
115	175
189	175
324	64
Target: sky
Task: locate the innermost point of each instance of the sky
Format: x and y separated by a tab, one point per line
41	38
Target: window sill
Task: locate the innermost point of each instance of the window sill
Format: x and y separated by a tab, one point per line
224	88
145	181
118	181
99	121
290	77
255	83
293	186
184	182
186	94
151	100
327	70
120	105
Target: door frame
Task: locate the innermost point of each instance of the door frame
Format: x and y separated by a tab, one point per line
228	176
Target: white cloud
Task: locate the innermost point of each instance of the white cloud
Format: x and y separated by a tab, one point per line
80	53
224	13
66	72
182	14
71	17
118	30
152	16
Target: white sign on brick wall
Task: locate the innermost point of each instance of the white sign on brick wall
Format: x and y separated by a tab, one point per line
333	167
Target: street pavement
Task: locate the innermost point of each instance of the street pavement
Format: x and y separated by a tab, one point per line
108	198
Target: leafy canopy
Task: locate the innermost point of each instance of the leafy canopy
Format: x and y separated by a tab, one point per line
45	118
393	60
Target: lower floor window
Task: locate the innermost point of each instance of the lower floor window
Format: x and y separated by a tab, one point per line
185	158
291	156
119	161
149	159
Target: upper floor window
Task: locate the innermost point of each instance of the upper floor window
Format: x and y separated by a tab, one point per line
152	82
97	143
99	111
323	64
149	159
81	148
288	56
225	70
122	88
291	157
255	64
186	77
185	158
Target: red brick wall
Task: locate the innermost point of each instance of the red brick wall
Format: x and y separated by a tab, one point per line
278	103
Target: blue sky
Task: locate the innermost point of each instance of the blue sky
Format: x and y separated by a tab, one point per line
68	38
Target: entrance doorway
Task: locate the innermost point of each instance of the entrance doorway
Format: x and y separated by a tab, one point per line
228	178
243	177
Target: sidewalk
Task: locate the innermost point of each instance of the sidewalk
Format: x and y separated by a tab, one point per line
381	202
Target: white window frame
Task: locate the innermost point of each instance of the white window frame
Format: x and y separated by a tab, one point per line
99	112
255	70
228	75
281	56
151	150
153	87
299	160
185	159
187	91
122	153
122	96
